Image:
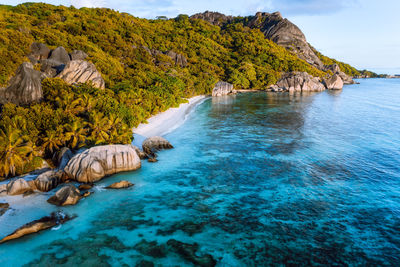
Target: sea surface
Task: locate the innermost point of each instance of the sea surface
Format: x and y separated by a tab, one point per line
256	179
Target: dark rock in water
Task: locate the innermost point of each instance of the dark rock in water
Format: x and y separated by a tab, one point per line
152	160
144	263
139	152
223	88
188	227
24	88
3	208
86	186
39	52
94	163
298	82
120	185
86	194
334	82
80	71
155	143
61	157
18	187
67	195
48	180
151	249
188	252
60	55
39	225
78	55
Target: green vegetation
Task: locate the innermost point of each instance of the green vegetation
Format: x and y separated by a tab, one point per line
137	86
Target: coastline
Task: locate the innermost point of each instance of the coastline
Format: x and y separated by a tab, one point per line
167	121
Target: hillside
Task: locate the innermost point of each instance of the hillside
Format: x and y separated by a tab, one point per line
147	66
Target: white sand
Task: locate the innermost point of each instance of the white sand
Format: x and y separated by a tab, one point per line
165	122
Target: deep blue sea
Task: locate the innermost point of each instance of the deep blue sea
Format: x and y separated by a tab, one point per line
256	179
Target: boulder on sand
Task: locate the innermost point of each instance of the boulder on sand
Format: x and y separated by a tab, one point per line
97	162
120	185
67	195
48	180
39	225
18	187
155	143
223	88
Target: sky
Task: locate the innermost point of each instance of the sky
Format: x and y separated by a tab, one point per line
363	33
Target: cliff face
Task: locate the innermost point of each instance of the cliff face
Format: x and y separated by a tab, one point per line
275	27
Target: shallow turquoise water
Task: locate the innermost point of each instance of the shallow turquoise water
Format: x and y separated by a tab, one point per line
254	179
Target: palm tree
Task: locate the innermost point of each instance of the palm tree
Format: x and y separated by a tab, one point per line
70	105
52	141
100	128
88	102
75	134
15	151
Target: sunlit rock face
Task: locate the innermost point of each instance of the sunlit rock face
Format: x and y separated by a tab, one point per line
97	162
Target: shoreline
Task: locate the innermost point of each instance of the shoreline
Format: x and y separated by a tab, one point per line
167	121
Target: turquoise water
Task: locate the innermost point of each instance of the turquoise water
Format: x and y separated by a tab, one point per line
255	179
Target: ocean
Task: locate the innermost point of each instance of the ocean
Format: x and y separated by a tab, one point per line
255	179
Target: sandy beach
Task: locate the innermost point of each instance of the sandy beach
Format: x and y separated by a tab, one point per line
165	122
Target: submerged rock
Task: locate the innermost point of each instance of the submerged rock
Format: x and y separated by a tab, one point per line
155	143
298	82
18	187
25	87
334	82
48	180
97	162
38	225
67	195
151	249
119	185
3	208
80	71
188	252
222	88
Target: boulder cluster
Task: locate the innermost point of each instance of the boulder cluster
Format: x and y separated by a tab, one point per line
178	59
223	88
85	168
26	86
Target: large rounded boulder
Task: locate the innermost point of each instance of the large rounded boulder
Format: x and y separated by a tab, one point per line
334	82
97	162
18	187
80	71
48	180
155	143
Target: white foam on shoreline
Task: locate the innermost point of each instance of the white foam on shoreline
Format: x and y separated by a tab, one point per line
165	122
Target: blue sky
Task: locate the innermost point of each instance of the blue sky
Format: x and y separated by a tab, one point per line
364	33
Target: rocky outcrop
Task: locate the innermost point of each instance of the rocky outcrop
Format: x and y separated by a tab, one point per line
223	88
188	252
3	208
39	51
38	225
78	55
61	157
214	18
178	59
18	187
335	69
67	195
120	185
97	162
334	82
286	34
25	87
48	180
80	71
155	143
298	82
86	186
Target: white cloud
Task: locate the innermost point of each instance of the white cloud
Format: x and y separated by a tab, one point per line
88	3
